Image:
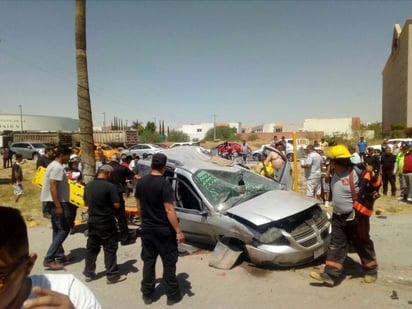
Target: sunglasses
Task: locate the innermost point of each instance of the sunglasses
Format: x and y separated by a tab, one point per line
16	265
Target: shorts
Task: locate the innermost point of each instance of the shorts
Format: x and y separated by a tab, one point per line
18	189
325	184
313	187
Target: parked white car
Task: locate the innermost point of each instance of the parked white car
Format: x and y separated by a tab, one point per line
141	149
394	143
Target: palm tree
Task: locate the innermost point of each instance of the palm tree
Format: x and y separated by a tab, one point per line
83	95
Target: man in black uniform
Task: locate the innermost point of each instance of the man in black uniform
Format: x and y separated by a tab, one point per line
102	199
119	176
160	232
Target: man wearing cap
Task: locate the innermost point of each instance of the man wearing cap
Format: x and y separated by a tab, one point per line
119	175
160	232
102	199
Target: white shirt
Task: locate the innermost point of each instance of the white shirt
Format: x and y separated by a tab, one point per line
67	284
55	171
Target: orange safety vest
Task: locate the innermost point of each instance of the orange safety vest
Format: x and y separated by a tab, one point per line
364	206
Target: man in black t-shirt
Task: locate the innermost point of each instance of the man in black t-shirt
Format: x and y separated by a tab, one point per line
119	176
160	232
47	158
102	199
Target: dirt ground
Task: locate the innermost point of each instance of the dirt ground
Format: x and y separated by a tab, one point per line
246	286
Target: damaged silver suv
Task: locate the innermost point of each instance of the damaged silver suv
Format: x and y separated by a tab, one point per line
228	206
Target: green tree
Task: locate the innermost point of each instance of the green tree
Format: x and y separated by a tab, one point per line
150	126
222	132
397	130
150	137
178	136
137	126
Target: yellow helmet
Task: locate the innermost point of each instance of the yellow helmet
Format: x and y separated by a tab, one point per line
338	152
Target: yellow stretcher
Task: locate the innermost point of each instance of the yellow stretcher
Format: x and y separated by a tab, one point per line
76	189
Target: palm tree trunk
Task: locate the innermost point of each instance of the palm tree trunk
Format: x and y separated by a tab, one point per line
83	96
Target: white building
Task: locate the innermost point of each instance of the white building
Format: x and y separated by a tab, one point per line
198	132
17	122
331	126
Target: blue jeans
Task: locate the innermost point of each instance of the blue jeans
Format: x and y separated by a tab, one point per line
61	228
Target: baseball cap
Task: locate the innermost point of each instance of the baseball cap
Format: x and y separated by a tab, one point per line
106	168
159	159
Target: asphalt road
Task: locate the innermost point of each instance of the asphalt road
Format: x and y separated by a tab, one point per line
246	286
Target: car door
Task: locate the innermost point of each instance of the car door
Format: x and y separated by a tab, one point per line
192	213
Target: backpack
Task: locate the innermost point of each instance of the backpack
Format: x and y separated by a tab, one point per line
368	190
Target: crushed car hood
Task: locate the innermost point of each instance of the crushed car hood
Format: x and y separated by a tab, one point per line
272	206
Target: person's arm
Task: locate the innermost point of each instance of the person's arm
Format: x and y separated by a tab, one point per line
138	204
48	299
171	216
55	196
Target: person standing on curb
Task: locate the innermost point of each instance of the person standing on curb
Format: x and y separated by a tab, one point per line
102	199
17	177
312	165
44	161
388	161
119	176
47	158
245	150
363	147
160	232
55	194
353	200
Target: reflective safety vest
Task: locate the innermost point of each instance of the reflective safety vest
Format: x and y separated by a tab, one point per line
368	192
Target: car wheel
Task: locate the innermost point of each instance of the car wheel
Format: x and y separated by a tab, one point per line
289	156
255	156
35	156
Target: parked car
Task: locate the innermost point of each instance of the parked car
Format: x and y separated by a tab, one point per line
106	150
28	150
232	154
270	225
301	144
141	149
164	146
184	144
394	143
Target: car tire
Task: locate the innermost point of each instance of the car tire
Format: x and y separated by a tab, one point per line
35	156
255	156
289	156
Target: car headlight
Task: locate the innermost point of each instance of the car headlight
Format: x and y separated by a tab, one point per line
271	235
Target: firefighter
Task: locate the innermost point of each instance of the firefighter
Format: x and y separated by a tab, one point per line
353	192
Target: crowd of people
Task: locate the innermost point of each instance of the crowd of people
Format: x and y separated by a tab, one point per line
344	176
107	225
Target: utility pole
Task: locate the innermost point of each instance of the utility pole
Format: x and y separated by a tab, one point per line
214	127
21	118
104	121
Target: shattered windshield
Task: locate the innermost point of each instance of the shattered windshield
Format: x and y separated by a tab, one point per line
224	189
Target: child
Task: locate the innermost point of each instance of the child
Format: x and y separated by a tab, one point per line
17	177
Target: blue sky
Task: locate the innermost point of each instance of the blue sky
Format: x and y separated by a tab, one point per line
185	61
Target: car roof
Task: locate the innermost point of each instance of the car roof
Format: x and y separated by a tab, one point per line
193	158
